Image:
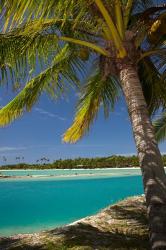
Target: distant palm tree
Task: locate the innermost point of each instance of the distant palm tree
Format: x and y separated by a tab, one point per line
44	160
17	158
41	160
4	158
125	40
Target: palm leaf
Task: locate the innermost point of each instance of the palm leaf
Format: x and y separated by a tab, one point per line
160	128
142	23
97	91
35	40
16	12
153	84
20	48
53	80
38	34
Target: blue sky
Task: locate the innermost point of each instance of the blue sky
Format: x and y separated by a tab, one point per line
39	133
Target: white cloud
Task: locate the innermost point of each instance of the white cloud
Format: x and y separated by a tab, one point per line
127	154
6	149
49	114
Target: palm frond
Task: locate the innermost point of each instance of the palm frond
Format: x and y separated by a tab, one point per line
33	28
98	91
128	10
20	48
157	31
160	127
142	5
153	52
53	80
153	84
34	41
143	23
17	12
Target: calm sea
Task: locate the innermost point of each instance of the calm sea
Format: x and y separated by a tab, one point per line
65	172
29	205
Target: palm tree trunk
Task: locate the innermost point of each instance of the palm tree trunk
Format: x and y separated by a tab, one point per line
154	178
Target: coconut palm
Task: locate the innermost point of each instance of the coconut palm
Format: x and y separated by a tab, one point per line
125	43
4	158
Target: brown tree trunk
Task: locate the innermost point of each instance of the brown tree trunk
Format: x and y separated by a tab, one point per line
154	178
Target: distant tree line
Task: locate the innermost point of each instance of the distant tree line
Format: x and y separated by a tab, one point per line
113	161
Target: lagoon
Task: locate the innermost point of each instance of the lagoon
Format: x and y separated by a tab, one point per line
30	205
72	172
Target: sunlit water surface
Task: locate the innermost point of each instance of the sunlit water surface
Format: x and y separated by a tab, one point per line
68	172
29	205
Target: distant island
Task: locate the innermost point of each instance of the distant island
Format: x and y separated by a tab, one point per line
114	161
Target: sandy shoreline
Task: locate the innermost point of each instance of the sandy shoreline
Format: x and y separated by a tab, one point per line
74	169
66	176
75	175
108	229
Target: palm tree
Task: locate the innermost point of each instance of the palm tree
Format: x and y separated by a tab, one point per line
126	41
18	158
4	158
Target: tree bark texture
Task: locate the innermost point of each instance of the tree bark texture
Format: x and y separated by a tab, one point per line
154	178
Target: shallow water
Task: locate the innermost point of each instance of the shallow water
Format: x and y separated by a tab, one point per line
36	204
67	172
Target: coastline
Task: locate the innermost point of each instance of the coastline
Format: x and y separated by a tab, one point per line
67	176
117	173
29	169
122	224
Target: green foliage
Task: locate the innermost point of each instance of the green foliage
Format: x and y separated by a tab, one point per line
17	12
98	91
32	33
51	80
103	162
114	161
35	41
153	84
160	127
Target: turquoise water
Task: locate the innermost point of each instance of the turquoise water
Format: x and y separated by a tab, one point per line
66	172
39	204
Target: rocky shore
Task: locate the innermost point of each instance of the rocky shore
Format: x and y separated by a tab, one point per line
120	226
